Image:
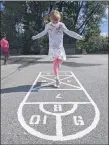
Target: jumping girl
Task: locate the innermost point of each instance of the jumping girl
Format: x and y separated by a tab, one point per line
55	29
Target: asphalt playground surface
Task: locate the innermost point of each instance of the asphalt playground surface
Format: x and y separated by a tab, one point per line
33	111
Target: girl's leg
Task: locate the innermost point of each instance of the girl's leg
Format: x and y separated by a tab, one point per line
6	57
59	62
4	53
56	64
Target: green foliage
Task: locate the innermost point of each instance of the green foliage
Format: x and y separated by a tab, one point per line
82	17
12	15
33	24
94	45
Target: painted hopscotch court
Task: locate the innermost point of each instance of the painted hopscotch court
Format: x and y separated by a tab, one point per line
58	114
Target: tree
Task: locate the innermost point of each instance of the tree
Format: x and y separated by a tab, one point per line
81	16
33	24
12	15
95	43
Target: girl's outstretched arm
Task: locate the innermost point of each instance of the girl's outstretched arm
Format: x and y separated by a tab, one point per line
41	34
71	33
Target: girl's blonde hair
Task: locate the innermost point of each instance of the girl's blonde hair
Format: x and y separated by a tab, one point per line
55	15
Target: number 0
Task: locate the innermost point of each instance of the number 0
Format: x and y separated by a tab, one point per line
35	119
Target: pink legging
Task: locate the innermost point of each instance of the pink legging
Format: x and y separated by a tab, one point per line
56	62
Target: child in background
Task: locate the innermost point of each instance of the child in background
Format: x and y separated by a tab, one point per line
4	48
55	29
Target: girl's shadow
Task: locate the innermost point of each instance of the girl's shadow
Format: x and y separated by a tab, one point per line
25	88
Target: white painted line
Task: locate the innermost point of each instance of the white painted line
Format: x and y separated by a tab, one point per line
26	97
58	96
57	103
60	79
70	85
47	78
61	114
54	76
39	87
59	126
43	81
68	81
47	83
84	90
36	88
48	73
59	71
66	78
58	89
63	82
59	136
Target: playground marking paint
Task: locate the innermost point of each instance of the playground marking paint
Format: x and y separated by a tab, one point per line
58	114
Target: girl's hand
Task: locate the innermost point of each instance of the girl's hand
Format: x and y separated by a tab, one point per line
83	38
33	38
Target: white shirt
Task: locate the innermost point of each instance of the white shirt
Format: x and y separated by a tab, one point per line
55	33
